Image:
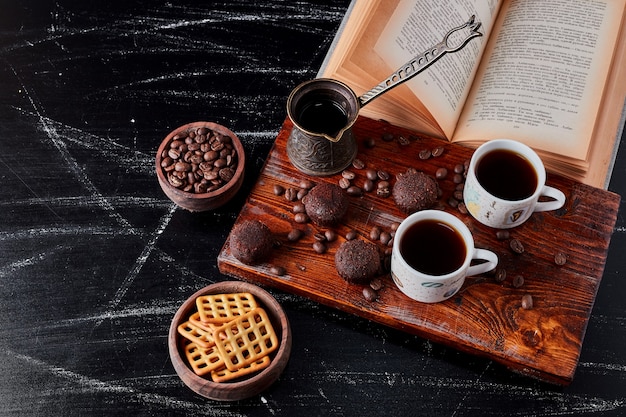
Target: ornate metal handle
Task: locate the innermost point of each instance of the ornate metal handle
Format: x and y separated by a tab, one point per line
424	60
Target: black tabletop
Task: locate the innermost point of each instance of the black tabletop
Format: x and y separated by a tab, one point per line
95	260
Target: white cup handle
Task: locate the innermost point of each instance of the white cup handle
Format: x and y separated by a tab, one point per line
490	257
557	195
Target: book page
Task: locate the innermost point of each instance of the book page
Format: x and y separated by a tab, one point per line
414	27
543	75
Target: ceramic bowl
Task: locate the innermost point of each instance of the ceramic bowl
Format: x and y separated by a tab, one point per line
247	386
199	200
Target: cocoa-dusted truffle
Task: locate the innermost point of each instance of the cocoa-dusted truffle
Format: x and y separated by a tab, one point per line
357	261
326	204
414	191
251	241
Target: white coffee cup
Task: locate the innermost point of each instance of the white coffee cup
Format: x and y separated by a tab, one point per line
493	204
431	256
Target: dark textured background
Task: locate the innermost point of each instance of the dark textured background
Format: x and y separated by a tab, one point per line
94	260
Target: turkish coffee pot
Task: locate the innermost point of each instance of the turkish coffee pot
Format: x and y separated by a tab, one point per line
323	110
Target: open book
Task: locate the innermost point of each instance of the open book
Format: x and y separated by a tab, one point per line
549	73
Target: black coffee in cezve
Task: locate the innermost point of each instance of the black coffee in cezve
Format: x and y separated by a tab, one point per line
507	175
433	247
322	116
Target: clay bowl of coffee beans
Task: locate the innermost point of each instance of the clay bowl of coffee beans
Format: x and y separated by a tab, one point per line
229	341
200	166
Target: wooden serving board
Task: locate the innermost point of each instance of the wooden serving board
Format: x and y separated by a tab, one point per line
485	317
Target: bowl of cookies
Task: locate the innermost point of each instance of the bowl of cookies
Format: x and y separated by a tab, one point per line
229	341
200	165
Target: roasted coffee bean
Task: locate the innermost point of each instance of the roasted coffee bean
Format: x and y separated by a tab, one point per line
302	192
294	235
291	194
369	294
462	208
319	247
424	154
500	274
460	186
457	179
385	238
331	235
344	183
518	281
376	284
182	166
358	163
298	208
351	235
453	202
560	258
527	301
301	218
503	234
277	270
375	233
382	175
403	140
354	191
459	169
438	151
371	174
387	137
306	184
368	185
458	195
383	191
226	174
320	237
349	175
441	173
369	142
516	246
394	226
278	189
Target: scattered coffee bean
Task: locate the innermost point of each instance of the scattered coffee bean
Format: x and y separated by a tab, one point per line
458	169
302	192
368	185
387	137
319	247
294	235
500	274
320	237
385	238
278	189
277	270
354	191
502	234
369	142
369	294
516	246
460	186
424	154
344	183
306	184
458	195
453	202
457	179
518	281
331	235
560	258
351	235
375	233
291	194
441	173
438	151
298	208
403	140
383	189
301	218
349	175
394	226
371	174
527	301
358	163
462	208
376	284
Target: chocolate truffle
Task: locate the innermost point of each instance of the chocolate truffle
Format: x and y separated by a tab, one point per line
357	261
414	191
326	204
251	241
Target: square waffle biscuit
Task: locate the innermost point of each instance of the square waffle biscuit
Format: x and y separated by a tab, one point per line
203	360
201	336
224	374
245	339
222	308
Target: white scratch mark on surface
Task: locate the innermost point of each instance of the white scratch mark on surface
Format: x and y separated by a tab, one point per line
87	384
141	260
26	262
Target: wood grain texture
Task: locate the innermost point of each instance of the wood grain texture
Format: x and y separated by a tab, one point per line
486	316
